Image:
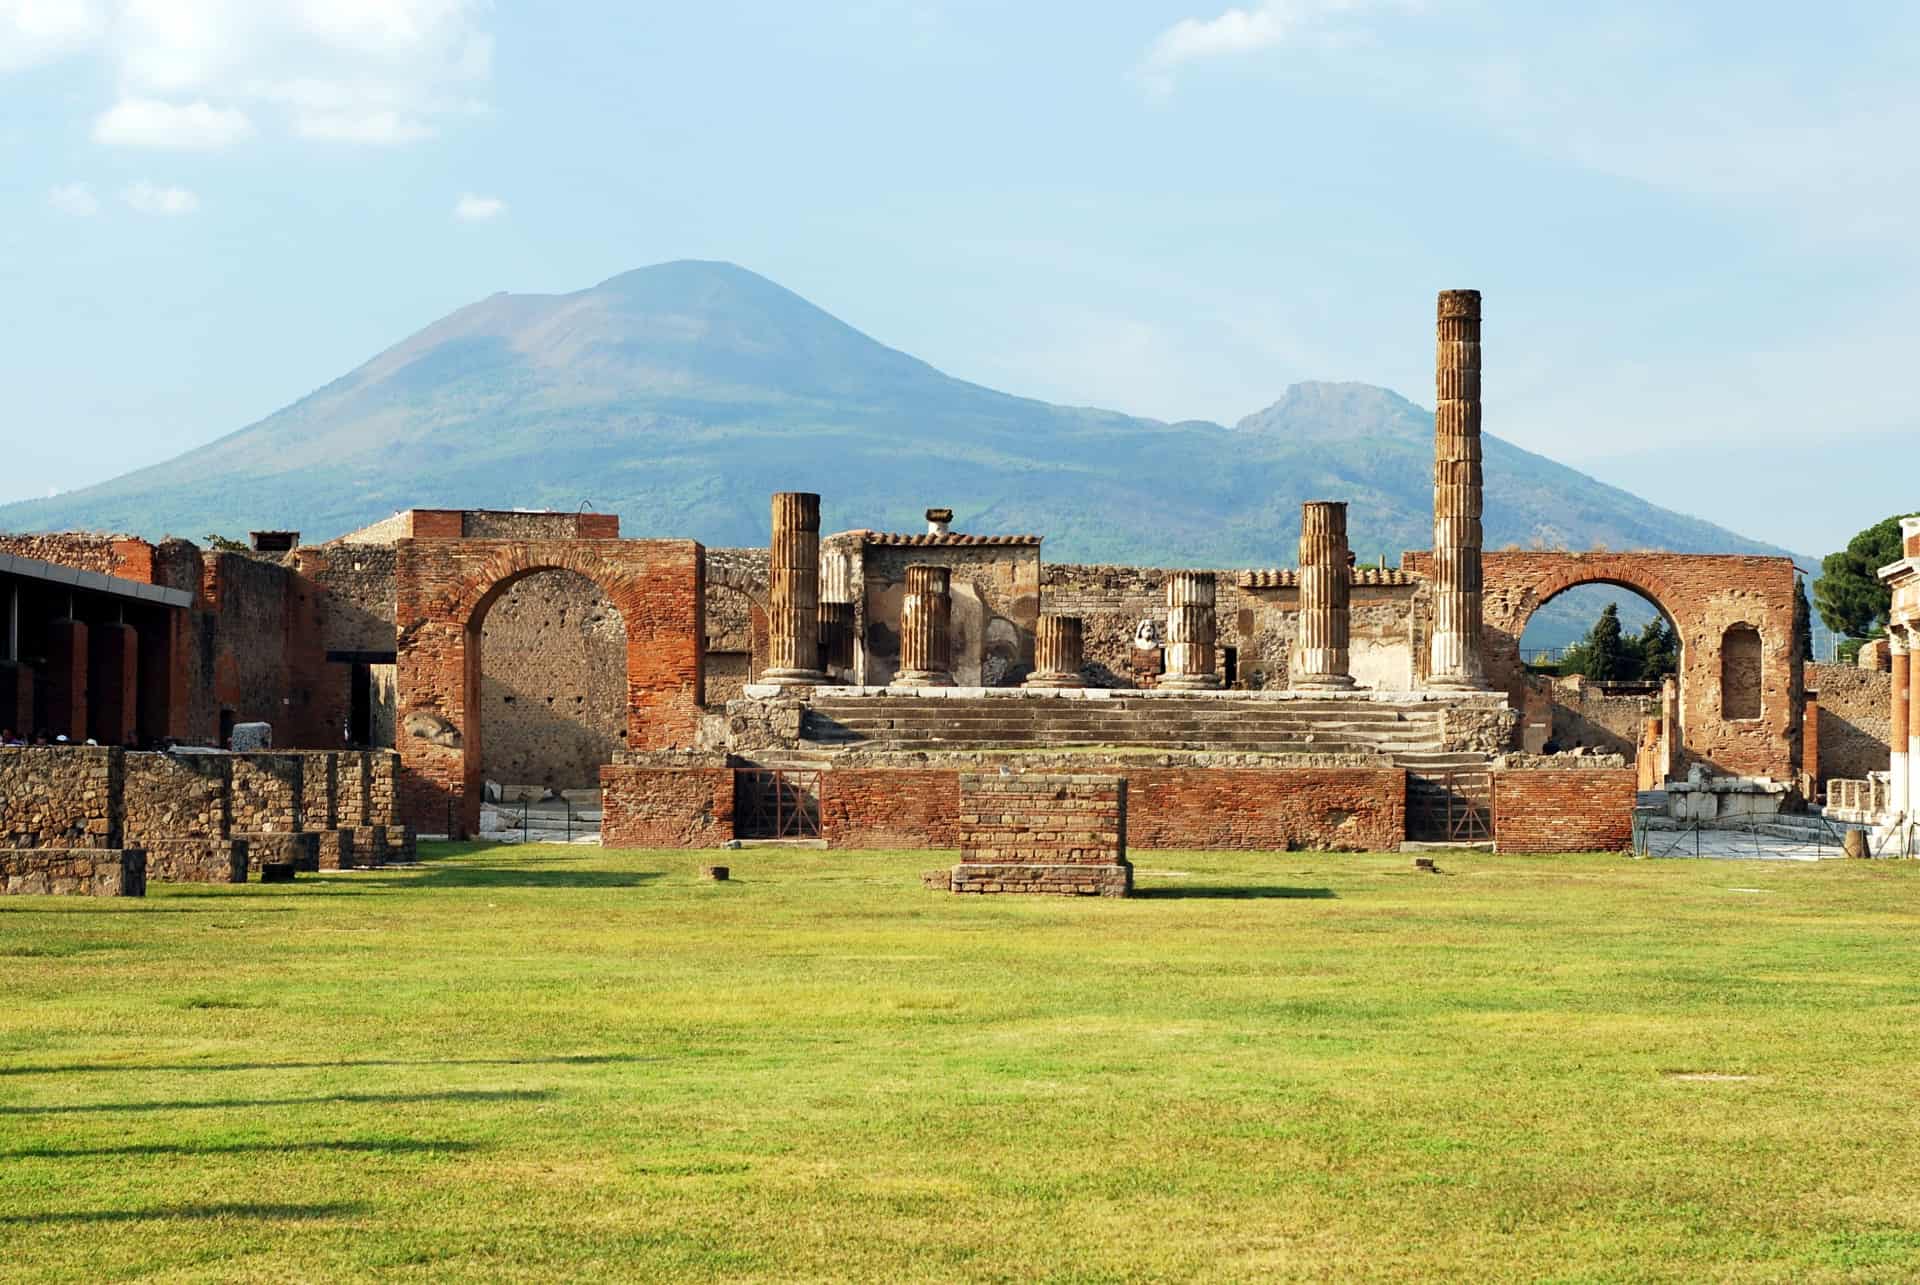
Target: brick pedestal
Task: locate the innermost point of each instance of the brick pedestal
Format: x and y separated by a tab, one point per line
1043	833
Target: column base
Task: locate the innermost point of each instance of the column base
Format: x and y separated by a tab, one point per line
1189	682
1457	685
793	678
1043	680
1324	683
921	678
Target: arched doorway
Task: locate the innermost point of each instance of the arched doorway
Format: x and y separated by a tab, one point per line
444	590
1597	658
553	686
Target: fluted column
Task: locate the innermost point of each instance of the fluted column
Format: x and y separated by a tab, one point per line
1058	652
1913	731
1454	658
1191	632
926	612
1320	654
1900	800
793	591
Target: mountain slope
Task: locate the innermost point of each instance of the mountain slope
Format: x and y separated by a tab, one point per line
681	395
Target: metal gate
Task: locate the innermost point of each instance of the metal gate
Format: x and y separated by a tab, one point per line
1450	807
770	803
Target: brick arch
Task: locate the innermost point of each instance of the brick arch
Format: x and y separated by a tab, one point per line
443	588
1702	596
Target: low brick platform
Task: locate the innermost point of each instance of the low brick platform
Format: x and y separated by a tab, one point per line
301	848
196	861
1043	833
73	872
402	846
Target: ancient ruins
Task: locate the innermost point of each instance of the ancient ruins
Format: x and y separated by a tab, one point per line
869	689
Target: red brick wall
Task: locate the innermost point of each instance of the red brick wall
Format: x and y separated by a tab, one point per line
890	808
666	807
442	591
1042	818
1571	811
1267	809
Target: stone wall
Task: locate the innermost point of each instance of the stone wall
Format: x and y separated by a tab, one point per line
890	808
996	602
1268	809
84	872
1043	833
1583	714
666	807
1856	708
1258	617
177	796
61	797
553	682
266	793
1563	811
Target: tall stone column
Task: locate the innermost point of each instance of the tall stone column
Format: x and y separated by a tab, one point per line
926	613
1192	631
1058	652
1454	658
793	592
1320	654
1902	718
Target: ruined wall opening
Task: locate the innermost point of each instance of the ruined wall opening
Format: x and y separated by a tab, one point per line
1741	683
552	684
735	644
1590	685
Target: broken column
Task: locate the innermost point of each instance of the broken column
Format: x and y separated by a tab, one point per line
1320	654
1454	656
793	592
1058	652
926	612
1191	632
1902	718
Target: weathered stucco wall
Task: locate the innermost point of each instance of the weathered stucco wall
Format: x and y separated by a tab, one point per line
996	603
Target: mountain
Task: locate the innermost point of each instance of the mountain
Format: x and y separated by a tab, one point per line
679	396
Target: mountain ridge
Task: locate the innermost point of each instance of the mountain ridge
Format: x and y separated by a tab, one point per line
679	395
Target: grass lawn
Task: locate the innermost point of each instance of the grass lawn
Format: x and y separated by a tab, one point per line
563	1062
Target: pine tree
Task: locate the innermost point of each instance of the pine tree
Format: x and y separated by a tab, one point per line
1849	594
1603	655
1657	651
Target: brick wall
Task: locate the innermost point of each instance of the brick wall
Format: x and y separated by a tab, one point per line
1856	706
1705	596
890	808
649	807
1034	832
444	588
61	797
1268	810
1563	811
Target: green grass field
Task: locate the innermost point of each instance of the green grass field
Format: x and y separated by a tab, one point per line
562	1062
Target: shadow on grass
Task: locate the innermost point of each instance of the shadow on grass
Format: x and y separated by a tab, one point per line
583	1059
368	1146
329	1099
95	906
264	1213
1235	894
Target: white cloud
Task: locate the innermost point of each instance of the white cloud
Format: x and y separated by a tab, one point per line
354	71
167	202
76	199
36	31
150	122
477	209
1243	31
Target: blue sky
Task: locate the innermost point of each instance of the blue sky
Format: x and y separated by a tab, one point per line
1694	224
